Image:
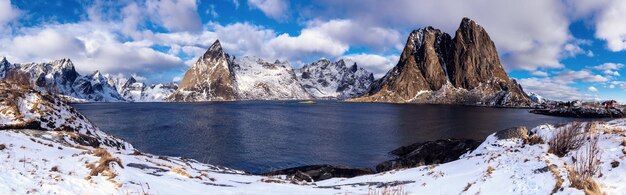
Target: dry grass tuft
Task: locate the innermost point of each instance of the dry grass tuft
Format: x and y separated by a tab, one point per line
557	176
568	138
181	172
535	139
585	166
490	170
103	167
2	146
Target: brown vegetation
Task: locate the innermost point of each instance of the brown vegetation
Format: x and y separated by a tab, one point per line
103	166
585	166
568	138
388	190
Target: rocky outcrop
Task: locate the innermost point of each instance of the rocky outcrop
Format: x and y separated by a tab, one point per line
513	133
313	173
435	68
427	153
23	108
342	79
211	78
581	112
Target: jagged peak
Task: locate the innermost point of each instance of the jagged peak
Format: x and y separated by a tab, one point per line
4	60
131	80
216	46
469	24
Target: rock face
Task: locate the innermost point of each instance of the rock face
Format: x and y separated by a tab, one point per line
342	79
427	153
211	78
435	68
60	77
513	133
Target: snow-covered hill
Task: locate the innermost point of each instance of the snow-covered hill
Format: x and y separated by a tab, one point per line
46	147
341	79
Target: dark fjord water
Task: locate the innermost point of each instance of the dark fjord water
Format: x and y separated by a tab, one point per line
268	135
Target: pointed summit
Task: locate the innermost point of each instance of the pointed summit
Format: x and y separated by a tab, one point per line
4	61
209	79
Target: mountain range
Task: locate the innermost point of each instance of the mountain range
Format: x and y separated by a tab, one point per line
218	76
433	68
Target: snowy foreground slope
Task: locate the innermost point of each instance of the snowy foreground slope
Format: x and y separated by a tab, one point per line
46	147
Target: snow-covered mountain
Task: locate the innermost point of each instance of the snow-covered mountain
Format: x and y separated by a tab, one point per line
60	77
536	97
259	79
135	91
341	79
217	76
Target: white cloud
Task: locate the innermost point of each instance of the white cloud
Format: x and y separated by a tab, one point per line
276	9
236	3
610	69
539	73
211	11
175	15
592	89
570	76
551	89
532	36
610	25
8	13
177	79
91	46
379	65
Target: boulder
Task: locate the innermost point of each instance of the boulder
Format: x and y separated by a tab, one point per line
313	173
514	132
427	153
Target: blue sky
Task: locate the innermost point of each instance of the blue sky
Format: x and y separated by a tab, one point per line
560	49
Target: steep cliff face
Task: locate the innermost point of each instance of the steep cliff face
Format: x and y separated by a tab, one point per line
435	68
211	78
342	79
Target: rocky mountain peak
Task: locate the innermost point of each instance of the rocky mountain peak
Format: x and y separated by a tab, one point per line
211	78
465	69
4	61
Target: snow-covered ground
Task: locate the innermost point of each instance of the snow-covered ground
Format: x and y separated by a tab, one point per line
60	159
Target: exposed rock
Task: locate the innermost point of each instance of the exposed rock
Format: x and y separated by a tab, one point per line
512	133
24	108
435	68
427	153
313	173
135	91
258	79
211	78
581	112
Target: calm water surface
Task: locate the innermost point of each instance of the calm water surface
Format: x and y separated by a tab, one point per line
268	135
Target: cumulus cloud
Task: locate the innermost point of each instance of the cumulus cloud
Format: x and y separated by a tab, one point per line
551	89
377	64
592	89
175	15
8	12
609	69
92	46
276	9
539	73
532	36
570	76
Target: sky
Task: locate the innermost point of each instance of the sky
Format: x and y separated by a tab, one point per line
559	49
